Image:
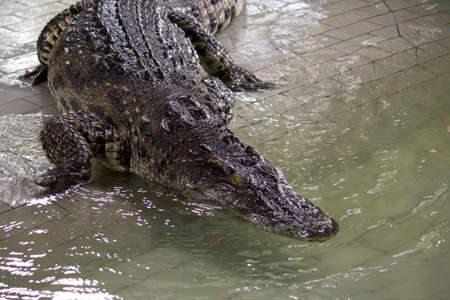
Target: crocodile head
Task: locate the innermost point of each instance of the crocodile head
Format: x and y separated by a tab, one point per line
197	154
240	178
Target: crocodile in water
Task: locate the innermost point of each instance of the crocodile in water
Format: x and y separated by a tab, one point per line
129	77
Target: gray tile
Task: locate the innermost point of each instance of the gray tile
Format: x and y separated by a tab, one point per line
30	12
420	35
430	8
29	24
386	32
42	99
8	8
341	34
430	51
445	42
17	107
409	77
16	39
11	93
440	65
11	19
376	9
347	18
371	53
394	45
322	55
9	51
398	5
357	43
4	207
345	6
8	94
49	110
44	2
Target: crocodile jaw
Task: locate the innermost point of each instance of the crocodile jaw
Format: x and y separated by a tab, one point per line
238	177
285	212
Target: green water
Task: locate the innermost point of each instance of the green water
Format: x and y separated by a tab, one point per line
381	168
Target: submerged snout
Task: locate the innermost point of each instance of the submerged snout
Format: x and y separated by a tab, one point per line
323	228
237	176
297	217
310	228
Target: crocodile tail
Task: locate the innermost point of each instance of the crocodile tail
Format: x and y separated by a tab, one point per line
54	28
217	14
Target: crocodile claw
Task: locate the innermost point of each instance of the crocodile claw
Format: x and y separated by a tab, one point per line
59	179
241	79
38	75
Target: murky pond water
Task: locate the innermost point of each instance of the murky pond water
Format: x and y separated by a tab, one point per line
366	136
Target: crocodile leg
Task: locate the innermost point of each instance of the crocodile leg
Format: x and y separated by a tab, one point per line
38	75
214	58
70	141
48	39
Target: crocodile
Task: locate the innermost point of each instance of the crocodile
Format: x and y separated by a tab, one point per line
144	87
214	15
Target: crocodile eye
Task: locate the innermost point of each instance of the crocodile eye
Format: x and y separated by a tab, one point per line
237	180
269	170
218	164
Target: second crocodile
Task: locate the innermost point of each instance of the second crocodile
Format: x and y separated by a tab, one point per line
129	77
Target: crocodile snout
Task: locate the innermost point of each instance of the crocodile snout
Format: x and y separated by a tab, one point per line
324	228
301	224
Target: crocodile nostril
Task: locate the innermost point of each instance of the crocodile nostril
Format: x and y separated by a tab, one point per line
327	227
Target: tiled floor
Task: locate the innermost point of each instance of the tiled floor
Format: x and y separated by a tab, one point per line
371	39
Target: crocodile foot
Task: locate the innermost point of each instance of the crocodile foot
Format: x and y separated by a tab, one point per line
38	75
59	179
214	58
240	79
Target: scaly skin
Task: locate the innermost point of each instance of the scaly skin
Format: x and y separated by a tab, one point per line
214	15
134	95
